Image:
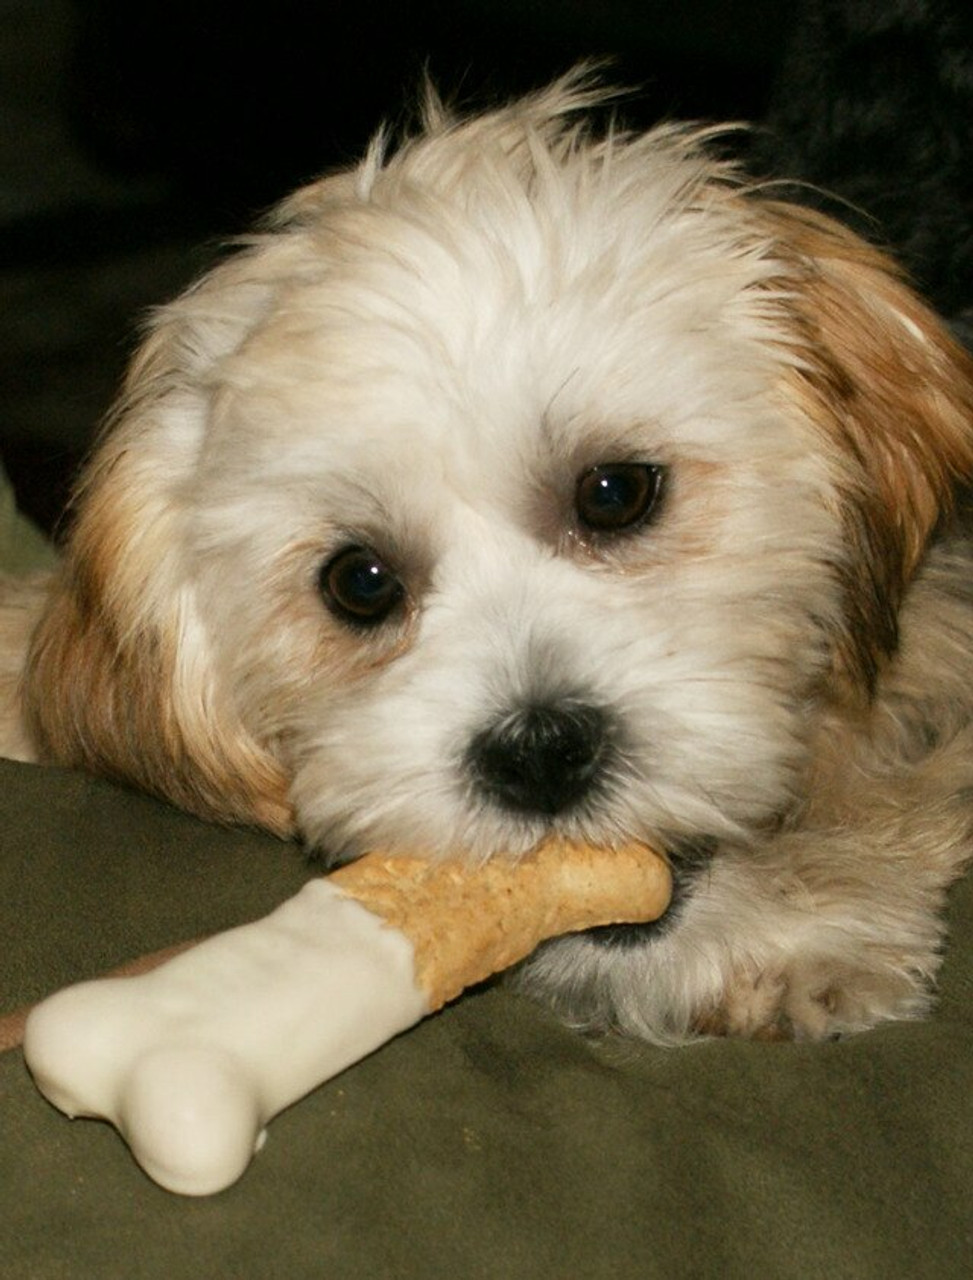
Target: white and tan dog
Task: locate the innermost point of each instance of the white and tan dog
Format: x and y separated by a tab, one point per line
525	479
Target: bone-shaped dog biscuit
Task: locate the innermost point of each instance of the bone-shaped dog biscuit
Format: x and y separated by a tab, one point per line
191	1060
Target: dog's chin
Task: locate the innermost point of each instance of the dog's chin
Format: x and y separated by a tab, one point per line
472	829
481	830
439	814
477	841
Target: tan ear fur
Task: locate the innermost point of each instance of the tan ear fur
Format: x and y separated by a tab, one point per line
892	392
119	680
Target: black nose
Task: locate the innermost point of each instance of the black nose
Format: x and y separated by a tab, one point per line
542	759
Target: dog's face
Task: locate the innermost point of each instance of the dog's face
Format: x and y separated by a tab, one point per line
515	481
495	538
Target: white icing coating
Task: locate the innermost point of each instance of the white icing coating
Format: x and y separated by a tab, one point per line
191	1060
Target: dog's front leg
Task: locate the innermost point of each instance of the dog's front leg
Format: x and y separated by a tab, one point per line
823	932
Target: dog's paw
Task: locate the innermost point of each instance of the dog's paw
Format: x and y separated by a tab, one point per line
826	997
813	998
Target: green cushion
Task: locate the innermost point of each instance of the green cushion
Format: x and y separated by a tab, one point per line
489	1141
22	547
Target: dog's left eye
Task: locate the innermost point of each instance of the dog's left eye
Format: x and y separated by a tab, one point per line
359	587
617	496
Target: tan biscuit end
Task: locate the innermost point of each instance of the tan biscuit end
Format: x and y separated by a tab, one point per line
467	922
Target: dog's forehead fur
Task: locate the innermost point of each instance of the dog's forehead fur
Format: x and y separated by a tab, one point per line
498	304
471	273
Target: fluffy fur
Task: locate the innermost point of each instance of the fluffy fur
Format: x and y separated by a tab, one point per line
421	356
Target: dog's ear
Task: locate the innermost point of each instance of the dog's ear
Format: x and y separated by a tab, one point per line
120	678
892	393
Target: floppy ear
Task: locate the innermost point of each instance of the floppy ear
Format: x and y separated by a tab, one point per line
120	678
892	393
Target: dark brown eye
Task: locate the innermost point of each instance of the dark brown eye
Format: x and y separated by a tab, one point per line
618	496
359	587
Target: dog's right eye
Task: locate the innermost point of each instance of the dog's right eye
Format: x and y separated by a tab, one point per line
359	587
617	497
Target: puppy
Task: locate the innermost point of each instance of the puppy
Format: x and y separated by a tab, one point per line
525	479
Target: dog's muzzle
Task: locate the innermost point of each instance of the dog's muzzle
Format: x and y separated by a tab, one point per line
541	759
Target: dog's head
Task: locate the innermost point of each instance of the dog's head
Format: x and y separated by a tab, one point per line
516	479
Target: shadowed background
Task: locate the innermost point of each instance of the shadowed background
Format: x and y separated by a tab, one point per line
137	137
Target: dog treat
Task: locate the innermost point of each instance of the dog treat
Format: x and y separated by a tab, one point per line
191	1060
13	1024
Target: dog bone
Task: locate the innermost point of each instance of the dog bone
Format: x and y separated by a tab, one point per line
191	1060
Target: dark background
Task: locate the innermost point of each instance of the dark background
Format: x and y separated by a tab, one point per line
134	137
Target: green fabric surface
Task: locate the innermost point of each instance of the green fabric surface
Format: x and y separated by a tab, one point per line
22	547
487	1142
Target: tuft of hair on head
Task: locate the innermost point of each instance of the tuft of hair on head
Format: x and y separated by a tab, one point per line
557	116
